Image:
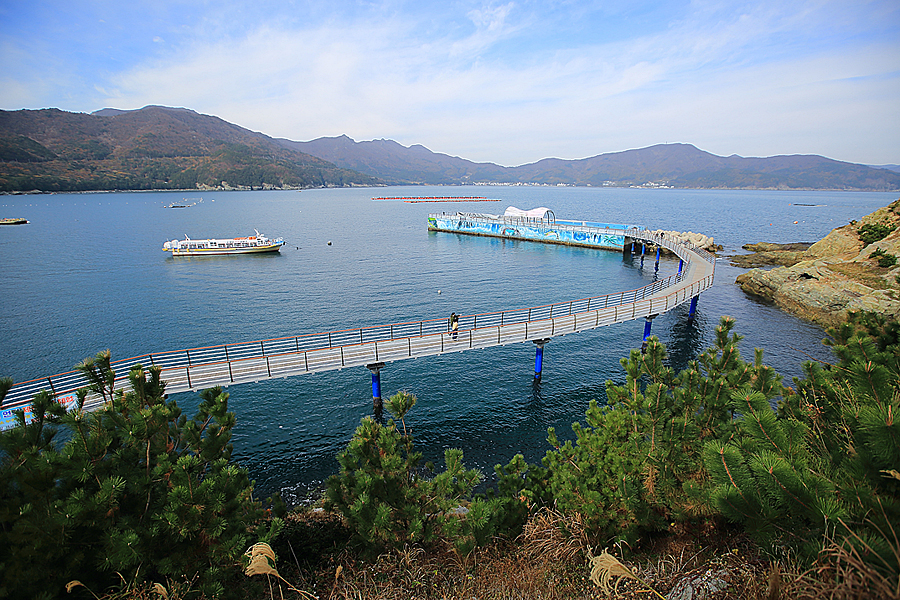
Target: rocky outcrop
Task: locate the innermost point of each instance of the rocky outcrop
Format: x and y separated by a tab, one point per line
839	273
698	239
766	254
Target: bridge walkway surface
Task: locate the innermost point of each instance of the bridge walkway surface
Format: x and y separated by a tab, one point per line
224	365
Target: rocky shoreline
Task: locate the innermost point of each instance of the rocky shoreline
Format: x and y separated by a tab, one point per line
853	268
699	240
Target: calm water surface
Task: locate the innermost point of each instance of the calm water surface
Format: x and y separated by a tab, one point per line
88	274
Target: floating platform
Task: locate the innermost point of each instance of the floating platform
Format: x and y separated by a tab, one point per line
417	199
546	229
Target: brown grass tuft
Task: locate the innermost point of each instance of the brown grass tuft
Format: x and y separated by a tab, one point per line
606	567
554	536
261	561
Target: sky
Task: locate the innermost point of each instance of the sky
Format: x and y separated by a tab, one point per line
508	82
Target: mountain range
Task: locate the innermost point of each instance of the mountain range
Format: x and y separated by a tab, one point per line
175	148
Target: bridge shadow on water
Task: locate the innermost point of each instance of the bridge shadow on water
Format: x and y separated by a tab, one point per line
685	335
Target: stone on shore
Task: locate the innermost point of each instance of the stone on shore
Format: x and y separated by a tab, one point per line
698	239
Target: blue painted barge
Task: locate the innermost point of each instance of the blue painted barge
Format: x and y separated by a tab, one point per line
537	225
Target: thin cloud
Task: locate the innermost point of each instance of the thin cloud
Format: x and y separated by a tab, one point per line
515	82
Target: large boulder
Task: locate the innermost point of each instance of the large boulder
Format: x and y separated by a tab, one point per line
697	239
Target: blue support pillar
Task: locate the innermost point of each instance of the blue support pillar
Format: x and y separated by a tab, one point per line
693	308
680	265
376	386
539	358
643	251
647	323
657	258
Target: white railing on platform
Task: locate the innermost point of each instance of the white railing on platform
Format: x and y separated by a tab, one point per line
199	368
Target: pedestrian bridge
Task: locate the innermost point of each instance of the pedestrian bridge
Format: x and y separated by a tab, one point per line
370	346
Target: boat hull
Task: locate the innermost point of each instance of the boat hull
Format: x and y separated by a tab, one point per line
225	251
257	244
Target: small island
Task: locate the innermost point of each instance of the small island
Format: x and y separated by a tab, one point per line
853	268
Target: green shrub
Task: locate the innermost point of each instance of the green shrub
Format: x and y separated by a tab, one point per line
134	491
872	232
885	260
385	497
826	463
637	464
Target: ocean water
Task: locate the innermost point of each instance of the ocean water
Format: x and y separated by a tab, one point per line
88	274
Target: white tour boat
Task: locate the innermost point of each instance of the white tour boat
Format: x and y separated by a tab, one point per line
242	245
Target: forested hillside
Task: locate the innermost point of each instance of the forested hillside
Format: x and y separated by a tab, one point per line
150	148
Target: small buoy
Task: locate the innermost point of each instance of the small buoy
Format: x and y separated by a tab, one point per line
329	242
795	222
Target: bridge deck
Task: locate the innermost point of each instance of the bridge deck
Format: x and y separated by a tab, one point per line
200	368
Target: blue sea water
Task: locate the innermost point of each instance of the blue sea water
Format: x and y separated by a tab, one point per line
88	274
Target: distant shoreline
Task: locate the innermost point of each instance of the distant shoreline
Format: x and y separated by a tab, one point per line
622	187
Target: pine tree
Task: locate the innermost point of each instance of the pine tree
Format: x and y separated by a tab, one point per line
383	493
826	464
637	464
136	490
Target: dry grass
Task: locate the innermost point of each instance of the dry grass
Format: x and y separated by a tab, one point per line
499	573
869	275
551	560
551	535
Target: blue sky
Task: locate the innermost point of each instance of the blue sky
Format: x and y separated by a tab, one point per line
506	82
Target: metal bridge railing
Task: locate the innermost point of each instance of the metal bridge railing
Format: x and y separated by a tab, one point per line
195	368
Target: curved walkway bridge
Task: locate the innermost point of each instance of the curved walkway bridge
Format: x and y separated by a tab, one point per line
372	346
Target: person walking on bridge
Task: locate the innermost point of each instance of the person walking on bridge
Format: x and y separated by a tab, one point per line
454	325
